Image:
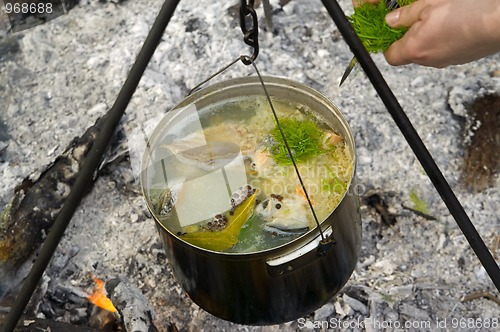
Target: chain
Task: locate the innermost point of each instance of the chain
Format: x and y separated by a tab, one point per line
250	34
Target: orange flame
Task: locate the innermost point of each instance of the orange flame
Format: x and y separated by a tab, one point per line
99	298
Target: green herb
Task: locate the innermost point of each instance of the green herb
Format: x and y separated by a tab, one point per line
369	24
418	204
303	137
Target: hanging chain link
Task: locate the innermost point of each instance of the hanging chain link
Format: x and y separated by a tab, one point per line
250	33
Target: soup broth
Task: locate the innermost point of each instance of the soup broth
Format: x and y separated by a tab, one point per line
223	179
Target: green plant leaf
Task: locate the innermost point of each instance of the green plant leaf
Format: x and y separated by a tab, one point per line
369	24
241	214
303	138
225	239
216	241
418	204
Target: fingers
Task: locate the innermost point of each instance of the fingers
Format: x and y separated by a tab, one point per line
405	50
405	16
394	56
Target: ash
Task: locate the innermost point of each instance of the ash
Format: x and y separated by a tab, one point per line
58	78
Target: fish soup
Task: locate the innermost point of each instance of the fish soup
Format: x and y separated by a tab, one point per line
223	178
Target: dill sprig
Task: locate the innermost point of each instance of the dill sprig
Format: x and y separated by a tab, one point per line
303	137
369	24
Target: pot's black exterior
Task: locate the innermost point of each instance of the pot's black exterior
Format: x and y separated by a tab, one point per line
280	284
245	289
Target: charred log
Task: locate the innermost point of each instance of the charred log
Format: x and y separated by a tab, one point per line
36	203
29	324
134	309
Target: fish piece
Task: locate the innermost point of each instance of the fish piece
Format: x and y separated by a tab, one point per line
208	155
331	139
285	232
190	141
286	226
232	132
302	193
261	162
268	208
283	216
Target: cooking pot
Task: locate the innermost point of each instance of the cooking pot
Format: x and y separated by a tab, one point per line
270	286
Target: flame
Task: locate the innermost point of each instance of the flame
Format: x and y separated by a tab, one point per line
99	298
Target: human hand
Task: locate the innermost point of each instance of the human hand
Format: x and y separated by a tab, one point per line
444	32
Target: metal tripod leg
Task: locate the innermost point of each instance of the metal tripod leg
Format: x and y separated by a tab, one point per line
90	164
413	139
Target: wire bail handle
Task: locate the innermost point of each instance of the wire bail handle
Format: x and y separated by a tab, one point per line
326	242
250	34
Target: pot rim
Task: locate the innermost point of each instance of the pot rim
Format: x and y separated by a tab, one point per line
220	88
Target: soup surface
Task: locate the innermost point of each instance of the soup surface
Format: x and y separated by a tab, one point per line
223	178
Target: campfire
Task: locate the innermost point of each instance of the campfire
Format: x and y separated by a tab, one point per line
99	297
134	313
92	306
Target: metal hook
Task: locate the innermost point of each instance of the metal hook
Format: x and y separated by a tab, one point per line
250	34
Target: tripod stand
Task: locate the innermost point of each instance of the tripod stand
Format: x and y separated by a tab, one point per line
116	112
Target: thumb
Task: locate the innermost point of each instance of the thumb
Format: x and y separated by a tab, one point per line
405	16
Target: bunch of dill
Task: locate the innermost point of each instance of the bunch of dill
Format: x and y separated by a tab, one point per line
303	137
369	24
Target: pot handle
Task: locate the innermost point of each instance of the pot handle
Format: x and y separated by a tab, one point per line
298	258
